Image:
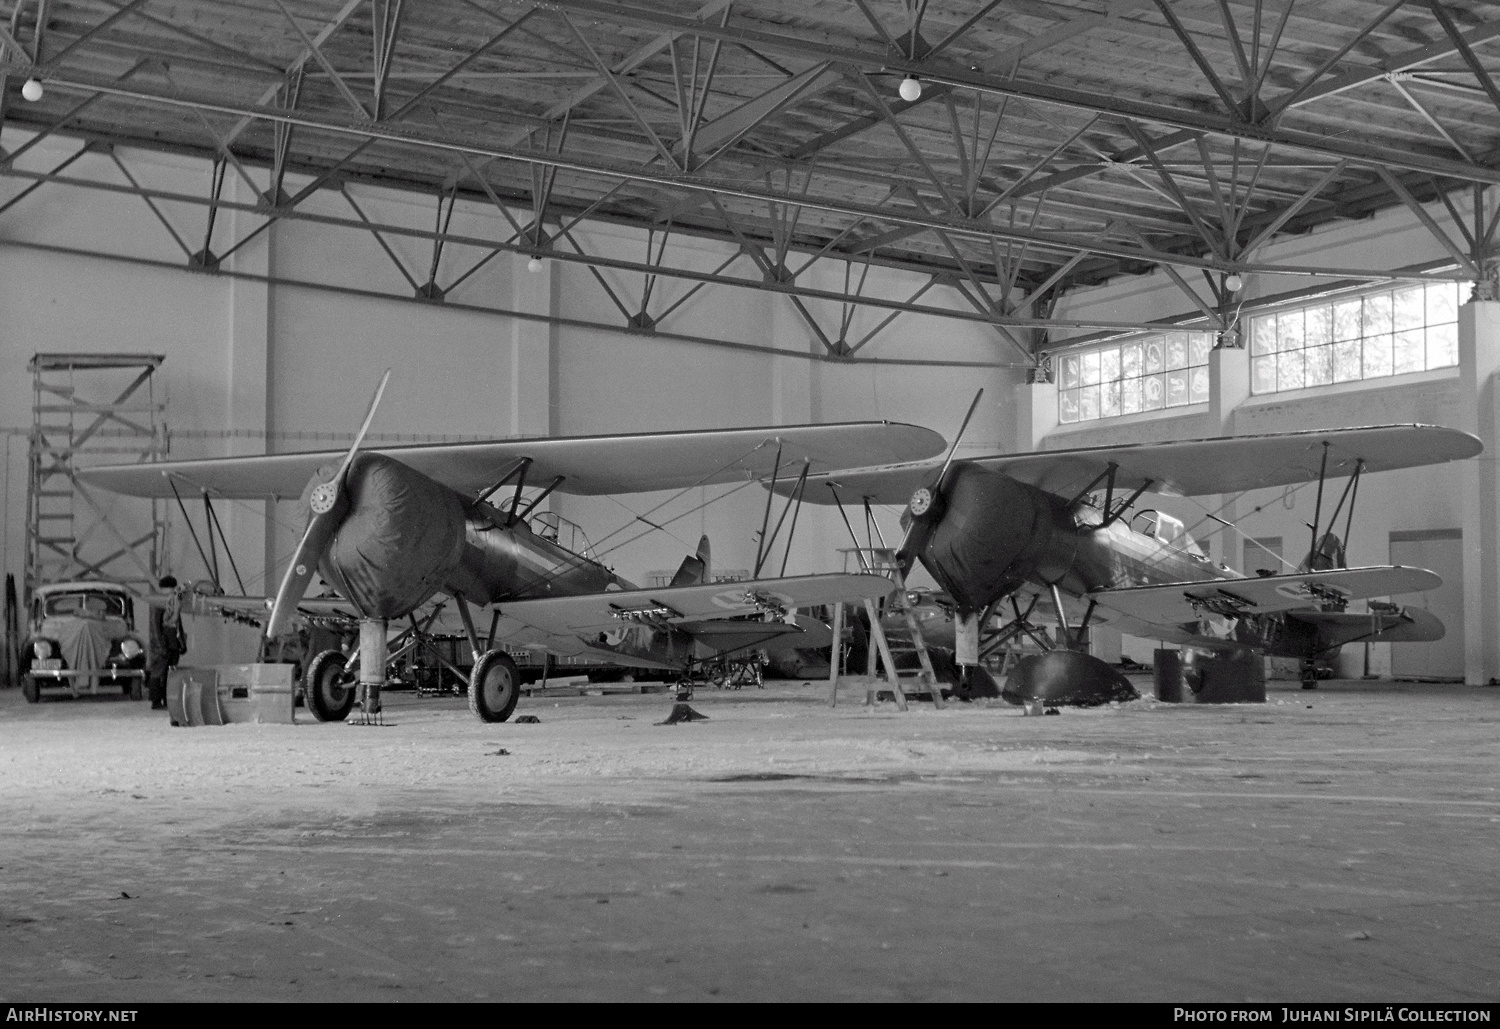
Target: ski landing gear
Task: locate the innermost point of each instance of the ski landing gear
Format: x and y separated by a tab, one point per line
1065	674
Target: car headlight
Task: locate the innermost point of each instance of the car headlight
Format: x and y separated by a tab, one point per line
43	649
130	649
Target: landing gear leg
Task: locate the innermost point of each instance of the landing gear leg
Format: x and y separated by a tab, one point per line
1309	675
372	670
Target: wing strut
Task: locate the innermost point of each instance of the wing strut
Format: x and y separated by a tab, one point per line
762	550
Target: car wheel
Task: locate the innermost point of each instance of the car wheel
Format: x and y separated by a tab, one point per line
328	691
494	687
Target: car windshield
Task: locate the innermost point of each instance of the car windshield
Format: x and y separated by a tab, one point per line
87	605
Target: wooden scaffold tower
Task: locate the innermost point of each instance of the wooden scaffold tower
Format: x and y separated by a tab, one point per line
102	409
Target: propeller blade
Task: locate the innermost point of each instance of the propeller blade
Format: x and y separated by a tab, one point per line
904	551
299	571
329	504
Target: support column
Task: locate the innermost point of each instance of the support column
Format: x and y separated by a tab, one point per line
1479	413
531	345
1228	388
1036	414
248	360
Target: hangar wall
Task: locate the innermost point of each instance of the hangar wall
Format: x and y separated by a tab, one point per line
282	350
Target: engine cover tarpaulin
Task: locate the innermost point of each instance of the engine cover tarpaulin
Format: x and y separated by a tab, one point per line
403	534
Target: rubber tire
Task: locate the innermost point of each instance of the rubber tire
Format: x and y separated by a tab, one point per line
494	687
30	690
136	688
326	690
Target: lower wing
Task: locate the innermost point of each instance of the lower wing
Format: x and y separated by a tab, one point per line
1177	602
725	617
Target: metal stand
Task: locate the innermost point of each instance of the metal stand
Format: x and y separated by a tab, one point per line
372	636
103	406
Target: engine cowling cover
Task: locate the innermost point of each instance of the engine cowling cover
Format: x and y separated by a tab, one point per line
403	534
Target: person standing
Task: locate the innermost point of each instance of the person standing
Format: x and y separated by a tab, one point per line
168	642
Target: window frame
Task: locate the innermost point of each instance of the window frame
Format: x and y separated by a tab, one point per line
1133	372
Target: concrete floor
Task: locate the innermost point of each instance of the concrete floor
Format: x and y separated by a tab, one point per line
1331	846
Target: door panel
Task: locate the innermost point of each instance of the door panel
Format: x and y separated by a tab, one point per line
1440	551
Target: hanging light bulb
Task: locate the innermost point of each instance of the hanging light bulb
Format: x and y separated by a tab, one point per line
911	89
31	90
1234	283
534	265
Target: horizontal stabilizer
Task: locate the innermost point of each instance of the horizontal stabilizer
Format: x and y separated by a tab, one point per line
1179	602
1404	625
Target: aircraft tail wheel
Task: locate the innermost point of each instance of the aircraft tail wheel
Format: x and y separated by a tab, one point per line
494	686
30	690
327	690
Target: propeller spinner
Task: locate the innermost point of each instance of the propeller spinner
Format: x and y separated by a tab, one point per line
329	501
925	505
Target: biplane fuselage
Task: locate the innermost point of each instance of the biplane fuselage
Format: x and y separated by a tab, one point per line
408	537
998	535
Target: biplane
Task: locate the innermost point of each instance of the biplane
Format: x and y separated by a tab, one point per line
1063	522
390	528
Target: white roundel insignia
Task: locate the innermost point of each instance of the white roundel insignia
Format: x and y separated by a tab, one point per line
921	501
323	496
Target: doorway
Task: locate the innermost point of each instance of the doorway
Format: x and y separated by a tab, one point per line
1441	551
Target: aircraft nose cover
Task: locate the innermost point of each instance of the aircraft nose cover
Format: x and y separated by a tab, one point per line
991	527
403	533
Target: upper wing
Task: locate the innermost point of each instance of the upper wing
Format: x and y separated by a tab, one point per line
589	464
1178	602
581	625
1226	464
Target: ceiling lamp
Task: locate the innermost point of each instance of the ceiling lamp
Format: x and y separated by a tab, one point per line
534	265
910	89
1234	283
32	90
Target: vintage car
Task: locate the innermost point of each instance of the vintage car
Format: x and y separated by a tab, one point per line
82	636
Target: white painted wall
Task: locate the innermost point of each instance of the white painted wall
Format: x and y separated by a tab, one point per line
283	363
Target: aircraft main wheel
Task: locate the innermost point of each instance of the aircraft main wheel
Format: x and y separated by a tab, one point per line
494	686
30	690
328	691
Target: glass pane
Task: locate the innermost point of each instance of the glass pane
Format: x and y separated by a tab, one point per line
1130	396
1069	373
1319	366
1409	310
1130	360
1346	320
1442	303
1289	330
1410	356
1154	359
1319	326
1262	336
1109	399
1442	346
1109	364
1088	403
1346	366
1377	355
1198	386
1377	314
1264	374
1067	405
1177	387
1289	370
1198	348
1177	350
1155	392
1091	368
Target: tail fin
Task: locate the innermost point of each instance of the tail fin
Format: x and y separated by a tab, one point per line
1328	555
694	569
